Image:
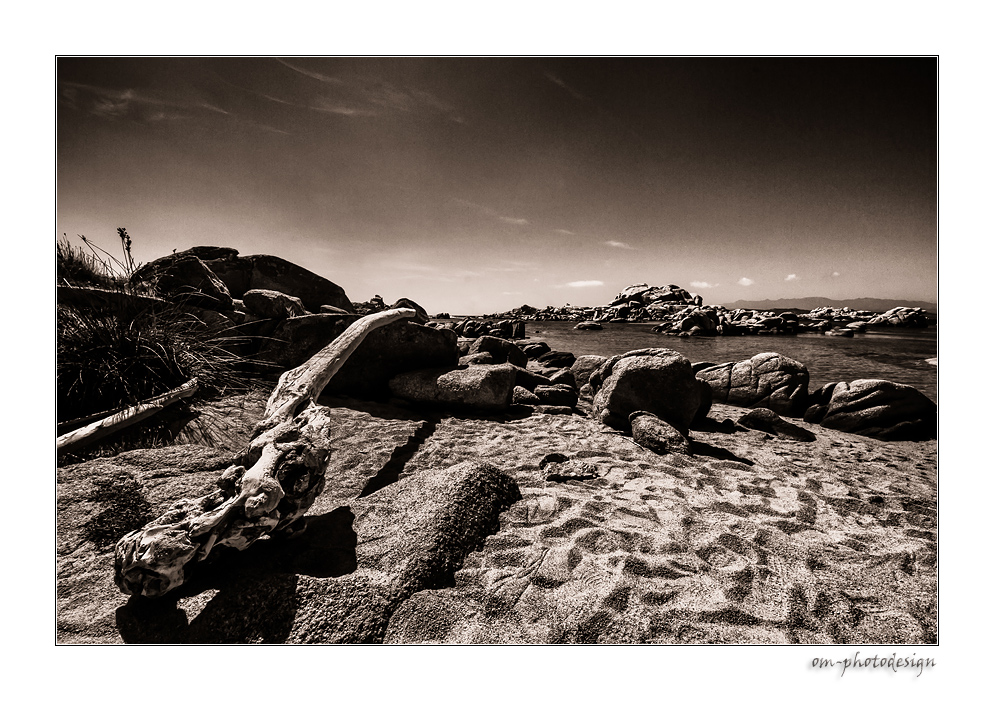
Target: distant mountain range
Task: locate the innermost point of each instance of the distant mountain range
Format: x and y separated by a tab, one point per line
870	304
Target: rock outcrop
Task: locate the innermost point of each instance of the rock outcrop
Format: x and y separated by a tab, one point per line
264	272
767	380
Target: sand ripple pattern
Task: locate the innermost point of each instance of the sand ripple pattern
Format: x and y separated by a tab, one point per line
832	542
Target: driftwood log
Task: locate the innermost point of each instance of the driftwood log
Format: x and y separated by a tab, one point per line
122	419
280	476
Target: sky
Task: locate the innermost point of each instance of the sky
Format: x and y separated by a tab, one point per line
476	185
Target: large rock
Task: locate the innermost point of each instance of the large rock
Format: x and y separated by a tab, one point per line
263	272
656	380
296	339
557	359
483	387
400	347
182	277
584	366
502	351
405	303
881	409
651	432
387	351
768	380
270	304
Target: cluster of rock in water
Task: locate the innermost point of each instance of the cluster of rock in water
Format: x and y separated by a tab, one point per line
684	314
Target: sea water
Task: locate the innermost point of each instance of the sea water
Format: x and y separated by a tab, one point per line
898	355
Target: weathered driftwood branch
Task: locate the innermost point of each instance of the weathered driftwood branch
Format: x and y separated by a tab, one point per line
122	419
281	475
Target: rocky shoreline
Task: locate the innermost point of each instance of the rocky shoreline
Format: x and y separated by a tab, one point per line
684	314
483	488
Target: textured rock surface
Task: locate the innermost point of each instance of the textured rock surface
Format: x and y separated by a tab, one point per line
879	408
656	380
387	351
296	339
272	305
502	351
651	432
338	582
263	272
767	380
485	387
556	395
182	277
768	421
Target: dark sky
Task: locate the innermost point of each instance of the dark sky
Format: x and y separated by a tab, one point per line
478	185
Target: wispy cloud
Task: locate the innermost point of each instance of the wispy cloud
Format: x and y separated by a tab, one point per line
135	106
585	283
550	76
836	274
790	278
704	285
490	212
745	282
363	97
567	232
324	104
312	74
619	244
512	266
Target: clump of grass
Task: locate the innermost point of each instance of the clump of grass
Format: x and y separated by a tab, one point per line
81	268
92	266
110	361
